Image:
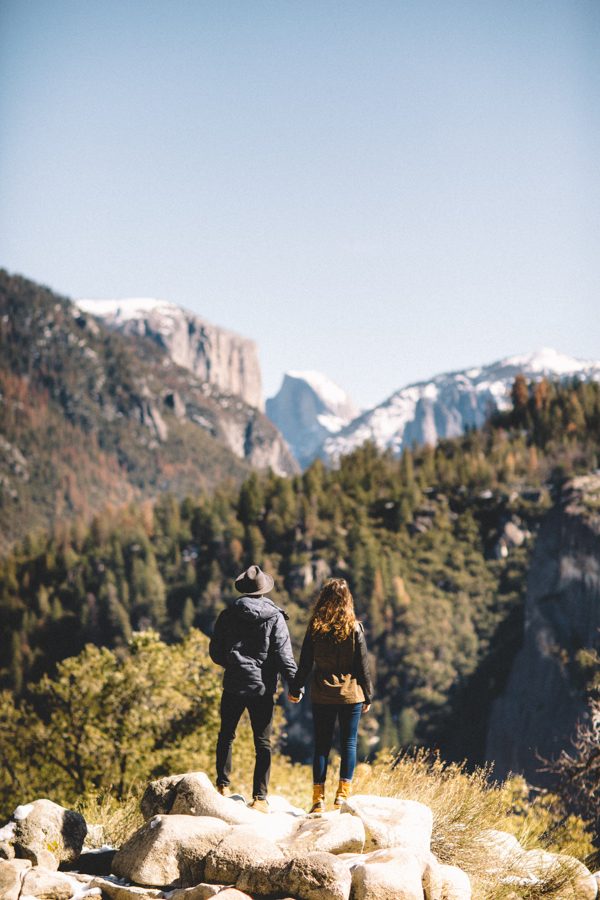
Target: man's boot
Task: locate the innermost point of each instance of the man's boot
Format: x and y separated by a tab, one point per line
318	801
342	793
223	790
260	804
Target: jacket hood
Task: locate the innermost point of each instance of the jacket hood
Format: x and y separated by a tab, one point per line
257	609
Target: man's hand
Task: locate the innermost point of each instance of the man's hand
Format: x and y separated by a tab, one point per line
293	699
366	707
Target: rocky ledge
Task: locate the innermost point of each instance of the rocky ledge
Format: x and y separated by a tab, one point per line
196	844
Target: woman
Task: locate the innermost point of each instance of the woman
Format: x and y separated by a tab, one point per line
335	647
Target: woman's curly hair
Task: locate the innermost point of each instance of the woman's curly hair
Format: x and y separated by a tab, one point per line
333	614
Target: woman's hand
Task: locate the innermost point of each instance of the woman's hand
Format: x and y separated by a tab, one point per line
366	707
293	699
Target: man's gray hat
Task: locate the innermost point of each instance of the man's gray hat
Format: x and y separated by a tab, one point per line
254	582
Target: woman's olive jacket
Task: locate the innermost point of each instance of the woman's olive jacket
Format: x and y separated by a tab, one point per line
340	669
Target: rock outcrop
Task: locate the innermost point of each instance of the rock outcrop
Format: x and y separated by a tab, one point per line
537	713
236	853
220	357
307	409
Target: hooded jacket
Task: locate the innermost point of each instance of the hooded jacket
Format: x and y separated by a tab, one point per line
252	642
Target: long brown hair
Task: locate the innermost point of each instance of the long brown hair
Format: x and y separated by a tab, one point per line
334	611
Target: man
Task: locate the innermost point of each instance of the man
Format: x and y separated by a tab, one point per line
252	642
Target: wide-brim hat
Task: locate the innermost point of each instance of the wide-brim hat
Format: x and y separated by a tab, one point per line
254	582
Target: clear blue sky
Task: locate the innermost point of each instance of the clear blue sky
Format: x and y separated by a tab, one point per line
378	190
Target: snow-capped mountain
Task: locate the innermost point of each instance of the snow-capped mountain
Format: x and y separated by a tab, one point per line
307	409
450	403
220	357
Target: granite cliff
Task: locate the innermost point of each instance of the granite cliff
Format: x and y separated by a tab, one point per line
544	696
215	355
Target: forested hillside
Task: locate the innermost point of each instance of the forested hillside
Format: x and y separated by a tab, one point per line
435	546
90	417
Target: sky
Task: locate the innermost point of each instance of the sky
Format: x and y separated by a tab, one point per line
380	191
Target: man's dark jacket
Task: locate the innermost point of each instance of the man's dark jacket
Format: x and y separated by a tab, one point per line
252	642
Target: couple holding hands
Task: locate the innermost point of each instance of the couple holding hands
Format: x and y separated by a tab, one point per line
252	642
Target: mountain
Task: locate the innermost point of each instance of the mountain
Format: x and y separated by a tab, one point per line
308	409
91	417
215	355
449	404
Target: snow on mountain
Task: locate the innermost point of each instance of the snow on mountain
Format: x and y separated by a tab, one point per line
220	357
450	403
307	409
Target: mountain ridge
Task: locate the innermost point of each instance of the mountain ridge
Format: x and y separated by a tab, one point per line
449	403
91	417
217	355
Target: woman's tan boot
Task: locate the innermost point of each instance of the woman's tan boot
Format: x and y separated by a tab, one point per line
342	793
318	801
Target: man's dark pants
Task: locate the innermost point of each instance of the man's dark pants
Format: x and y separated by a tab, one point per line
260	710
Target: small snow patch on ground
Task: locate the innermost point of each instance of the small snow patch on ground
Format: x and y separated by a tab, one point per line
8	832
21	812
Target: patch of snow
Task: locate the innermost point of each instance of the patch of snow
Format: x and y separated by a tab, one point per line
81	889
546	360
126	308
7	833
331	423
101	849
330	393
281	805
21	812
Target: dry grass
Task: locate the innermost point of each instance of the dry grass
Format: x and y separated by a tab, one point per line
464	805
118	818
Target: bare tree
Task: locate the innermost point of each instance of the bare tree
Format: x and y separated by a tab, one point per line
578	772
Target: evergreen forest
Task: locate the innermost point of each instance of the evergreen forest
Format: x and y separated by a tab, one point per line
426	542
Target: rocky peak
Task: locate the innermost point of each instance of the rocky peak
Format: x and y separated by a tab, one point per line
307	409
448	404
215	355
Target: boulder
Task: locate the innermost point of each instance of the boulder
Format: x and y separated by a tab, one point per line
200	891
169	850
12	873
47	884
392	822
238	850
48	834
233	894
7	851
456	883
314	876
112	890
331	833
538	865
395	873
195	795
431	878
501	849
159	795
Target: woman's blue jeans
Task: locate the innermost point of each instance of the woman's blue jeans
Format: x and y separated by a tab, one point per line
324	719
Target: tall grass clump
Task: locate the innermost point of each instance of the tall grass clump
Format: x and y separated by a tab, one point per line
466	806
